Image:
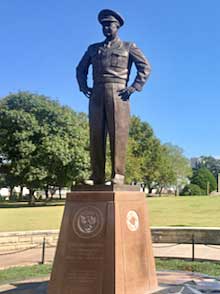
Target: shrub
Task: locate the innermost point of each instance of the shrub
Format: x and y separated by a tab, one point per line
2	198
192	189
201	177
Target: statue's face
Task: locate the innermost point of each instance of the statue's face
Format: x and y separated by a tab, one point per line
109	29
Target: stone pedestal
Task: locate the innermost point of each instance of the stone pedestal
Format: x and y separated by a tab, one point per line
104	245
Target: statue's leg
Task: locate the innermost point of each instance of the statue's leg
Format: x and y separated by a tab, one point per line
109	110
118	119
97	134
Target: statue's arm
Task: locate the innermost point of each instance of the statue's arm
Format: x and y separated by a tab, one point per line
82	73
142	65
143	71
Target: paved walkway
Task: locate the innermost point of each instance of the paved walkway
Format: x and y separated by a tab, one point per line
33	256
27	257
185	251
169	282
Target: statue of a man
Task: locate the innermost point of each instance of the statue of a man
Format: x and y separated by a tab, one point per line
109	109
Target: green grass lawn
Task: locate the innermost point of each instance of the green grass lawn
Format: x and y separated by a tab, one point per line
24	272
30	218
164	211
198	211
204	267
28	272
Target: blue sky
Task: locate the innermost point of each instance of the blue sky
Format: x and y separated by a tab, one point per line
42	41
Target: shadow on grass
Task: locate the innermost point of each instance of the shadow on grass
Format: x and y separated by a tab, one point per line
176	225
27	205
28	288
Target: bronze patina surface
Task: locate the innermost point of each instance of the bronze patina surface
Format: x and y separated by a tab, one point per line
109	109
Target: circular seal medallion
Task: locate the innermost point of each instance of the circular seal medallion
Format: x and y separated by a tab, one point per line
88	222
132	220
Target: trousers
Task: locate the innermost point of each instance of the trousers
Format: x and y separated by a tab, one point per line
108	113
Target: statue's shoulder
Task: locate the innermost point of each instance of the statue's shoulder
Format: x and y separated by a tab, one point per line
93	47
129	45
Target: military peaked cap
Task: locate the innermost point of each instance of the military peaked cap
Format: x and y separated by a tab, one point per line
110	15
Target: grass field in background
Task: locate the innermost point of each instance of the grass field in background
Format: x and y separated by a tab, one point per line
30	218
201	211
198	211
35	271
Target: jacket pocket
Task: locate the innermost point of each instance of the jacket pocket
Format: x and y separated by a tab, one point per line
119	59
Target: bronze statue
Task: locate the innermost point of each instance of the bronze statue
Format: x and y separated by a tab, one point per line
109	109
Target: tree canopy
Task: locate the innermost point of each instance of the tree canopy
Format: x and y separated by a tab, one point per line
156	165
204	179
192	190
211	163
42	142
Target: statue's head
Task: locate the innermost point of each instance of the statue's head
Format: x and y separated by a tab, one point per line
111	21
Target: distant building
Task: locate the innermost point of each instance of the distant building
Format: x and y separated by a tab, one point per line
5	192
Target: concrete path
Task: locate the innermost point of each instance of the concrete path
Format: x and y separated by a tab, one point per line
33	256
185	251
27	257
169	282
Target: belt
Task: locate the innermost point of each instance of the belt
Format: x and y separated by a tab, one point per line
110	82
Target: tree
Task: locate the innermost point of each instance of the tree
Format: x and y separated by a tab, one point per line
42	142
192	190
166	174
204	178
141	153
179	164
211	163
133	163
152	163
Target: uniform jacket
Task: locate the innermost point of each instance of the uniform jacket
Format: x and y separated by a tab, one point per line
113	64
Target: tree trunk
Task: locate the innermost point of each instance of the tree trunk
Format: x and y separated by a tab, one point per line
177	191
21	193
32	198
60	188
52	192
46	192
150	189
160	191
11	192
143	187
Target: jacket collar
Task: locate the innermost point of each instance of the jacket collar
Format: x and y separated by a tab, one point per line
112	44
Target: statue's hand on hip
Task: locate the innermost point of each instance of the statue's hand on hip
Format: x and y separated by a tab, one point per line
126	93
87	92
